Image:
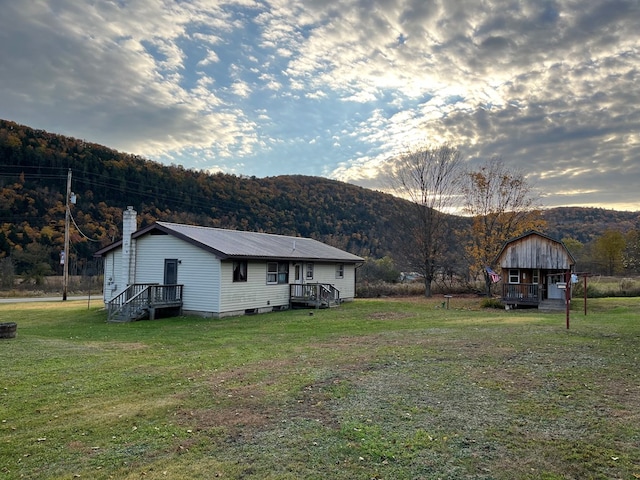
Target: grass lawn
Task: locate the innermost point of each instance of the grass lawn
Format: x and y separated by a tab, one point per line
375	389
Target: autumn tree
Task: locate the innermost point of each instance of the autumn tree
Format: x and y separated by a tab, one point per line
574	246
631	254
427	177
502	205
608	251
378	270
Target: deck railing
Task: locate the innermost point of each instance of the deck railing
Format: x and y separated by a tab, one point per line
315	294
523	293
139	297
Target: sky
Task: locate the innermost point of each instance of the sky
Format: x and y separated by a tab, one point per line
337	88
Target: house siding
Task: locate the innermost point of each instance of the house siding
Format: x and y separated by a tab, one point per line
535	252
198	270
112	269
255	293
326	273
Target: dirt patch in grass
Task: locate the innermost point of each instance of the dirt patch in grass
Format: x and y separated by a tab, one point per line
127	346
389	315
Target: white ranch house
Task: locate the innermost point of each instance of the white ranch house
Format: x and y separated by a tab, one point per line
169	268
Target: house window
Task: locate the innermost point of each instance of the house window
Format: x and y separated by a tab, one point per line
340	270
535	278
309	271
240	271
277	272
514	275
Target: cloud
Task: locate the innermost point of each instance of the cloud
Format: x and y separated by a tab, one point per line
339	88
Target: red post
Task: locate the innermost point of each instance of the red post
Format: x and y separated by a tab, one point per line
567	293
585	293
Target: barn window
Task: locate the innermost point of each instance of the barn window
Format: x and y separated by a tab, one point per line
536	277
514	275
240	271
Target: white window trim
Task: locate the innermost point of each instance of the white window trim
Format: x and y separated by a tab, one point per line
516	274
309	271
272	273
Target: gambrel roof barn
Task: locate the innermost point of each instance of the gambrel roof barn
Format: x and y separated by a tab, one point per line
534	268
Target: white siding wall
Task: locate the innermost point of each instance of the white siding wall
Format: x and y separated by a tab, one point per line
326	273
112	263
254	293
198	270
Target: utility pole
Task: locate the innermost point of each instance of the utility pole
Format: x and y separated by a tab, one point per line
65	257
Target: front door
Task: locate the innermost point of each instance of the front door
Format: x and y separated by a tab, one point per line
297	279
170	278
554	284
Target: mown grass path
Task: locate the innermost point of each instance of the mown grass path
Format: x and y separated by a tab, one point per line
385	389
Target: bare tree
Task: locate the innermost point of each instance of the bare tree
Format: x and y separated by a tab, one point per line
427	178
502	205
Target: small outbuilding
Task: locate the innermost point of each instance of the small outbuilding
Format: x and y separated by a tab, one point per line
169	268
535	269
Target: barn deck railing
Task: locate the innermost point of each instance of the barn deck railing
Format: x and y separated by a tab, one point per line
522	293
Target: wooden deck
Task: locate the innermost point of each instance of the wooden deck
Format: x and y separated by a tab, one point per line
313	295
525	294
140	301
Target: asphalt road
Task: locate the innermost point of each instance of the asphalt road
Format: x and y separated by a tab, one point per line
97	297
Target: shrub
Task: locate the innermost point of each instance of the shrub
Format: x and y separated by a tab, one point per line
384	289
492	303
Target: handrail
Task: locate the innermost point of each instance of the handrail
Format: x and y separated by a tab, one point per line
315	293
139	296
522	292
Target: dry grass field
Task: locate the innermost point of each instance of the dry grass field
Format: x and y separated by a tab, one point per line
375	389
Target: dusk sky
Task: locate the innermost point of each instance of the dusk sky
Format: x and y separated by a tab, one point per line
337	88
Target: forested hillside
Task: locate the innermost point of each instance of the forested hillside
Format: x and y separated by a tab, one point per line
587	224
33	178
33	175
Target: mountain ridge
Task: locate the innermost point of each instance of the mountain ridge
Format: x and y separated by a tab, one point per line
35	164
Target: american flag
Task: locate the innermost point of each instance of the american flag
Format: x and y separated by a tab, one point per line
495	278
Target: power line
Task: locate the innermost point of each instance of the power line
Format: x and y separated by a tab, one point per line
80	231
91	180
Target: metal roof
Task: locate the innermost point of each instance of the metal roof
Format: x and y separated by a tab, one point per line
240	244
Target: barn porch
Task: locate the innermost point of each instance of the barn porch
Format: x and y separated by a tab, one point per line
547	290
